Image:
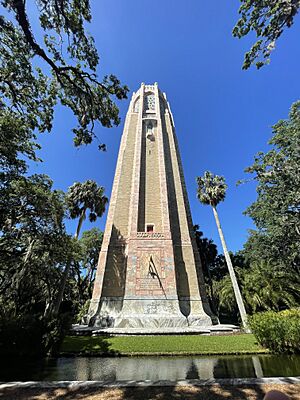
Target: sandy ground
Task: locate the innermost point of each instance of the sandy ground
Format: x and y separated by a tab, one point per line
215	392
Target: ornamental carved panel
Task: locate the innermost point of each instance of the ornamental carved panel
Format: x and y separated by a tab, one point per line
150	275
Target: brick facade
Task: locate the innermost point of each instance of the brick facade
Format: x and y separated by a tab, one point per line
149	272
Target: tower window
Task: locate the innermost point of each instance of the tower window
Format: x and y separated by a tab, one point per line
150	228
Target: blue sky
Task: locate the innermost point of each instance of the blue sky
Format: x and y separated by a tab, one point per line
223	115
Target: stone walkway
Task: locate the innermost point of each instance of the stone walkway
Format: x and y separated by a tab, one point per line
235	389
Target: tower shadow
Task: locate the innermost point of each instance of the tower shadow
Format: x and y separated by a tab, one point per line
182	283
114	280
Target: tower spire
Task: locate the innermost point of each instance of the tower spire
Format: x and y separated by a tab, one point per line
149	272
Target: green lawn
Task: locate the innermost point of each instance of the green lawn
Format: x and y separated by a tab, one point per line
161	345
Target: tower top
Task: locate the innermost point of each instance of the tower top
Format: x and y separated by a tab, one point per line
146	88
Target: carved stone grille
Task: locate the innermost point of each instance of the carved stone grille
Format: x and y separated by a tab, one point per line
149	104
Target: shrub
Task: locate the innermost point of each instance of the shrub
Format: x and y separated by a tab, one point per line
83	312
32	335
55	329
279	331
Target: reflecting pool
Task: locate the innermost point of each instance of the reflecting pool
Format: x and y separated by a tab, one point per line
150	368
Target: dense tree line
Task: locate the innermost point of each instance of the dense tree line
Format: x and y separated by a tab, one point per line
43	268
46	275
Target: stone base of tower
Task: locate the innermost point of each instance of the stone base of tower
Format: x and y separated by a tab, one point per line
149	313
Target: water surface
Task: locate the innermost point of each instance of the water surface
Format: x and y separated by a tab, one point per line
150	368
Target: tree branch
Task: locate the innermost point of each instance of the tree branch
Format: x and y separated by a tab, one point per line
21	16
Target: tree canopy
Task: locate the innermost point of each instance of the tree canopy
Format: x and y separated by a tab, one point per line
211	189
55	62
276	212
35	251
84	268
41	65
267	19
33	242
86	196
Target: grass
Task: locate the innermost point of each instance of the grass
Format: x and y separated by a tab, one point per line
161	345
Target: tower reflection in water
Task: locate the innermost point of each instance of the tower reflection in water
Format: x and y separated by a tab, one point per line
151	368
160	368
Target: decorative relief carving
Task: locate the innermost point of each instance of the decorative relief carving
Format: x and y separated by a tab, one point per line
151	308
153	235
149	271
149	128
150	131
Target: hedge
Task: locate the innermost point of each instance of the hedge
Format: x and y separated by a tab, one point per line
278	331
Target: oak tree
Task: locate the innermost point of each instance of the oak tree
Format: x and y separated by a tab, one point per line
54	62
276	211
267	19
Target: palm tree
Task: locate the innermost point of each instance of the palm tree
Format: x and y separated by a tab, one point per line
80	198
225	297
211	191
269	286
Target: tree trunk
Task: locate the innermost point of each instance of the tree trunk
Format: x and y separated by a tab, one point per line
27	257
234	282
212	295
64	278
81	219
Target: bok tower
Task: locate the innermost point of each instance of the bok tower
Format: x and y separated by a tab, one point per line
149	273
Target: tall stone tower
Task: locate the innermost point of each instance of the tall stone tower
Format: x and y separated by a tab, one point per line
149	273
